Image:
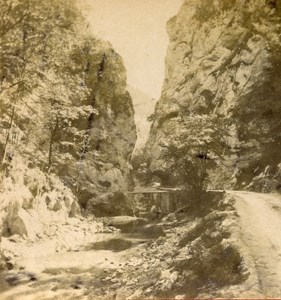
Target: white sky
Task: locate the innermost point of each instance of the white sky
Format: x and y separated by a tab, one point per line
137	31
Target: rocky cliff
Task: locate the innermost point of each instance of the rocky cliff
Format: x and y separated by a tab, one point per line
66	119
100	169
222	65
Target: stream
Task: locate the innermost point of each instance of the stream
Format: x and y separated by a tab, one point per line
75	273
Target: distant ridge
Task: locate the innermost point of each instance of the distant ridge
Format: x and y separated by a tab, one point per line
144	107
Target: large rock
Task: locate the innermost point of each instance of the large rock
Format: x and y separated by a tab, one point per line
224	60
101	166
86	134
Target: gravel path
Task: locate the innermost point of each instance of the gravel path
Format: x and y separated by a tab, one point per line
260	231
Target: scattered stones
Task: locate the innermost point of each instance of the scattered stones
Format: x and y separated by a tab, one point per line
161	268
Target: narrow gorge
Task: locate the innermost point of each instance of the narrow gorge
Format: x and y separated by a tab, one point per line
94	204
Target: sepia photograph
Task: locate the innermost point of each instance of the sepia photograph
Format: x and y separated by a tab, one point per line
140	149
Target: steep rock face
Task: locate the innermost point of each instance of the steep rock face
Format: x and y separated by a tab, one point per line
224	60
90	144
66	119
66	129
99	168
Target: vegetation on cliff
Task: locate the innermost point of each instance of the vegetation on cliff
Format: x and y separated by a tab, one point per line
66	122
223	62
63	99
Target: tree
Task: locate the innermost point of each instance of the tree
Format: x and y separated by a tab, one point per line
39	78
193	150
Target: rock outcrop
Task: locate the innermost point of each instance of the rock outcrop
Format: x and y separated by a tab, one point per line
223	62
101	167
68	113
67	123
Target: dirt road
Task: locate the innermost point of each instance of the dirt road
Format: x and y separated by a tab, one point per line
260	231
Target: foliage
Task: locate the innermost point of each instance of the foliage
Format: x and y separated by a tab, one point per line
29	31
205	10
193	150
40	78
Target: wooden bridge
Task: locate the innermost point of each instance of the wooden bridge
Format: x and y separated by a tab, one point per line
151	190
163	198
166	199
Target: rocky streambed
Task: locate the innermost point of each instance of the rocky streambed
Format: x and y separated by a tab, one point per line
95	264
182	255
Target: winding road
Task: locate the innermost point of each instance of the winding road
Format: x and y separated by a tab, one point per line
260	231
